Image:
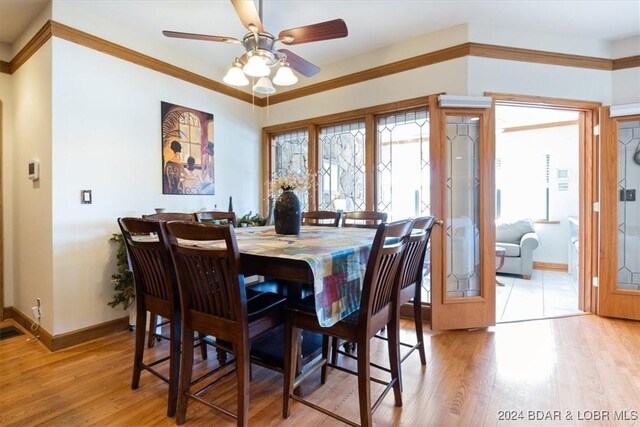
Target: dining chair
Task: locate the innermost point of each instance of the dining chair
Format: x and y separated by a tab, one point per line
321	218
155	322
376	311
363	219
217	217
157	293
213	300
171	216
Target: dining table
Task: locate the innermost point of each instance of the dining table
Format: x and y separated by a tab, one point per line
331	259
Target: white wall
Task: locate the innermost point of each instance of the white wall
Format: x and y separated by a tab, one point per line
30	207
106	138
524	78
6	97
449	76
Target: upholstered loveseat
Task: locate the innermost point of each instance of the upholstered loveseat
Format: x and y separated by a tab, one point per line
519	239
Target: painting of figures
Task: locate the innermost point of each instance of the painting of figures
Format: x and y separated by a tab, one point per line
187	151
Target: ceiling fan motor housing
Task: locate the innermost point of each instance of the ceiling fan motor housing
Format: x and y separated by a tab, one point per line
260	44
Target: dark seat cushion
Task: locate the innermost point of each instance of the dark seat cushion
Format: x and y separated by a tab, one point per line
263	303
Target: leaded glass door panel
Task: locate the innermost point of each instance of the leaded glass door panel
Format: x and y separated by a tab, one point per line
619	276
463	174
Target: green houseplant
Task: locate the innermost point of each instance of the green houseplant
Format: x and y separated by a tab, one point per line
124	292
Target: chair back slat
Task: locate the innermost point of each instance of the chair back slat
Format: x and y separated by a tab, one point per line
152	268
363	219
207	261
217	217
414	256
382	266
321	218
171	216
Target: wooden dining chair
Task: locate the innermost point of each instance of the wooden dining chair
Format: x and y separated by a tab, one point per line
363	219
321	218
157	293
217	217
213	300
155	322
171	216
376	311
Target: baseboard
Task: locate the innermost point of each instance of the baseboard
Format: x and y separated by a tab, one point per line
406	311
21	319
552	266
59	342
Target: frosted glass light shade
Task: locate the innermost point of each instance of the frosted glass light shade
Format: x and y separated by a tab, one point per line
264	86
235	77
285	77
256	67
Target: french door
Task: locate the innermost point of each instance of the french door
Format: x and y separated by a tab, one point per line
462	197
619	251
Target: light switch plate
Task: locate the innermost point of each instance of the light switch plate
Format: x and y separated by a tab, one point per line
85	197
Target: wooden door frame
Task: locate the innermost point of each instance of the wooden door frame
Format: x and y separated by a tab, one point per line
588	149
612	301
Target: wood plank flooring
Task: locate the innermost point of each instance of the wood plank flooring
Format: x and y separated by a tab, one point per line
583	366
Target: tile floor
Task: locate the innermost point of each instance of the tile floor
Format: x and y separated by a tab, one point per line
547	294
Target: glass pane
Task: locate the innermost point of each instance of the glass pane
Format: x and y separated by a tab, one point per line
403	170
628	211
290	154
403	165
462	206
341	168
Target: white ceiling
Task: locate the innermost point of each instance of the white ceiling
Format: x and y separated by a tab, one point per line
373	24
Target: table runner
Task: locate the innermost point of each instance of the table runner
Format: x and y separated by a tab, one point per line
337	257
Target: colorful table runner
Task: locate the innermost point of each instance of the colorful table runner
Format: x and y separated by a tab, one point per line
337	257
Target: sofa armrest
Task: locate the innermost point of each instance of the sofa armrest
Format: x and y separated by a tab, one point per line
529	242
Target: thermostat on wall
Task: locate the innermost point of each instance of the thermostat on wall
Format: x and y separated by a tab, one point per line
34	170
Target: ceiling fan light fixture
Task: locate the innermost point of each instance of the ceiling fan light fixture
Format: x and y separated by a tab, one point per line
256	66
264	86
285	76
235	76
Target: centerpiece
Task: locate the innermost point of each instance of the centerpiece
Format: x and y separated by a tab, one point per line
287	214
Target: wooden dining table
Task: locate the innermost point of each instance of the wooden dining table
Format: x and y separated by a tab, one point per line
332	259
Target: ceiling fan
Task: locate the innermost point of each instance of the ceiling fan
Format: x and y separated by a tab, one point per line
261	55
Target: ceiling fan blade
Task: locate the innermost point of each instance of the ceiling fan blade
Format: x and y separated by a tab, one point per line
246	10
179	35
299	64
316	32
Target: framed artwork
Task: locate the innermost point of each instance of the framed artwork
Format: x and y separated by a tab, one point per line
187	151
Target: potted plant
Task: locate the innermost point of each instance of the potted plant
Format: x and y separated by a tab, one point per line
248	220
124	292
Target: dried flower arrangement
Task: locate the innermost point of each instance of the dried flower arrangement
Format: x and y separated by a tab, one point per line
293	181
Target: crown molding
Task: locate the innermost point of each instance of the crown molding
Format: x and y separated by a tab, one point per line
628	62
52	28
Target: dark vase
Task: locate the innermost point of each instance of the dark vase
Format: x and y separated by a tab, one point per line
287	214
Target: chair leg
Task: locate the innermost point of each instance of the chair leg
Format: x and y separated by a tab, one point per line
174	365
364	383
153	325
325	355
334	350
417	318
141	319
203	345
242	372
292	346
186	368
393	344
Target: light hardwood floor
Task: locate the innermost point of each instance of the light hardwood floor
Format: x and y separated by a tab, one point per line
583	363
